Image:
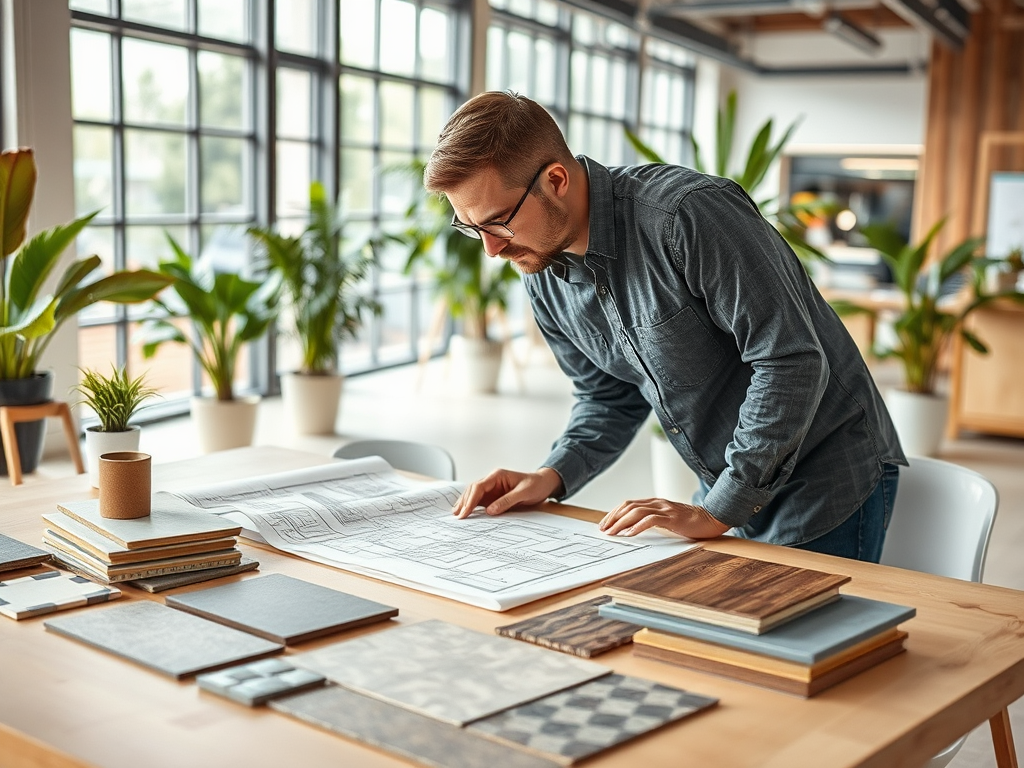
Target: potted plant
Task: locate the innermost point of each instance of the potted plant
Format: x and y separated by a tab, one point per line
933	312
29	315
788	219
321	281
114	399
470	286
226	311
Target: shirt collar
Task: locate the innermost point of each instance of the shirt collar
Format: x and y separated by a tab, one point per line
601	236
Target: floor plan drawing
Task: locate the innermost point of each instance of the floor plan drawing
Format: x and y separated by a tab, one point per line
367	518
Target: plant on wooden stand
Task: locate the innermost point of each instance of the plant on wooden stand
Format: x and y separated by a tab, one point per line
227	311
30	316
114	399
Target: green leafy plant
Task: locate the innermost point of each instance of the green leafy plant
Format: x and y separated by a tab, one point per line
114	398
226	310
470	284
321	280
760	157
28	315
930	315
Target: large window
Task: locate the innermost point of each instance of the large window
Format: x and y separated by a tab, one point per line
198	118
398	86
165	146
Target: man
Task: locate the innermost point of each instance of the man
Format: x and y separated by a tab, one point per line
660	287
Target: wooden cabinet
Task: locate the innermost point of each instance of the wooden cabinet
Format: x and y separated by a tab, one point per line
987	393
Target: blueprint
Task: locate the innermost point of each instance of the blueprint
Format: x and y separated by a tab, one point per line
364	517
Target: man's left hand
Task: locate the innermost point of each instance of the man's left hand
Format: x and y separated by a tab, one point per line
632	517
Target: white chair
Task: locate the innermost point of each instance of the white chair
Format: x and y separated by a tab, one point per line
421	458
941	524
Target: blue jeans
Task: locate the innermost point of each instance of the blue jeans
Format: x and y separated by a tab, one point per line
861	536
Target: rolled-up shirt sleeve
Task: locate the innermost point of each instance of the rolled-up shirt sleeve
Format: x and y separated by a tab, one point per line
749	278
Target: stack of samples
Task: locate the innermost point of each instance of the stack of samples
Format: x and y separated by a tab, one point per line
174	538
773	625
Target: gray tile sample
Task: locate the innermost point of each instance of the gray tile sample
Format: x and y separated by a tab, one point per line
16	554
401	732
281	608
259	681
171	580
50	592
171	521
582	721
168	641
448	672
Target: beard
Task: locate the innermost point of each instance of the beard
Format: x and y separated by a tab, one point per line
529	261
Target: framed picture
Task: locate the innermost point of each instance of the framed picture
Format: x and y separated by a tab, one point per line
1005	213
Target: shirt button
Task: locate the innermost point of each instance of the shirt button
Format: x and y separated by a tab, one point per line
757	508
674	430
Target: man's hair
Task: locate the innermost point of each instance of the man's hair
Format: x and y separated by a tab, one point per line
498	129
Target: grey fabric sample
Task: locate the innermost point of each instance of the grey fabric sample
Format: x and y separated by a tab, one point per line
448	672
281	608
16	554
168	641
258	682
183	579
401	732
592	717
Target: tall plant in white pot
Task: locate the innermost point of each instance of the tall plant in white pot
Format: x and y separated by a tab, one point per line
227	311
114	399
322	281
468	284
933	311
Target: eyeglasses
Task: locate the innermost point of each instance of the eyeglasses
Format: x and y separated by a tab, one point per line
498	228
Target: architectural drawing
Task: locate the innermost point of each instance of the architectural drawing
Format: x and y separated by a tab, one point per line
367	518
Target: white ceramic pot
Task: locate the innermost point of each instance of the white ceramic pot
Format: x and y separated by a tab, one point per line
221	425
311	401
476	363
97	443
920	420
673	480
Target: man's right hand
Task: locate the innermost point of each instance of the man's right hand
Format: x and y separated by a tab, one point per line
504	489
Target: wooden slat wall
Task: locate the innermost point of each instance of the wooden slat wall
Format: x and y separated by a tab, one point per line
979	88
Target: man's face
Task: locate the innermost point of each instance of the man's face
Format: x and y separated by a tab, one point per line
540	226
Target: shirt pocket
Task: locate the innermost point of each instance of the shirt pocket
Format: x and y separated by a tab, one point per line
680	349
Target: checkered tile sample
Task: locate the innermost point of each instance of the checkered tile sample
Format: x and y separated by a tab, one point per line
48	592
584	720
258	682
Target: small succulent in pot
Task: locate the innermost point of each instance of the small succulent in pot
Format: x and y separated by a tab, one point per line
114	398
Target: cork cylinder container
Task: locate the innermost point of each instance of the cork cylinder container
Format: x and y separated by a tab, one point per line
125	484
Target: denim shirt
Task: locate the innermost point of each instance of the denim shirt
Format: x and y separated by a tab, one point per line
689	303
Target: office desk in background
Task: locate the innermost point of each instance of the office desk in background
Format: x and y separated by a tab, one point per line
63	704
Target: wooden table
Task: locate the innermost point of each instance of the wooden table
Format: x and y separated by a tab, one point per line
65	704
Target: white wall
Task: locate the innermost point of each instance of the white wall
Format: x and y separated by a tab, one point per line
838	114
37	48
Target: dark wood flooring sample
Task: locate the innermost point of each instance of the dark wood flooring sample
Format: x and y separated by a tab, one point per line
281	608
407	734
168	641
578	629
16	554
727	589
